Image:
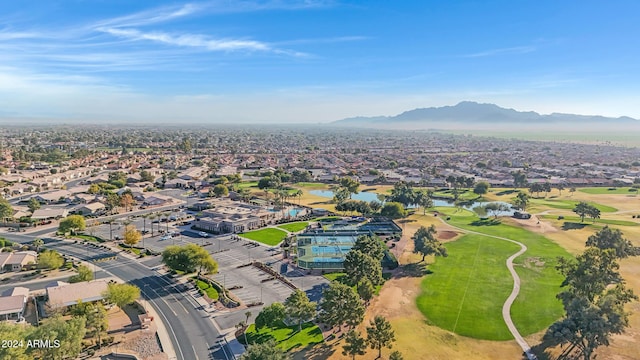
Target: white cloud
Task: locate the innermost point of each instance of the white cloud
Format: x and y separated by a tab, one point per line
503	51
152	16
189	40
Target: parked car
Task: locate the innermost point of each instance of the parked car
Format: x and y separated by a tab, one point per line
204	234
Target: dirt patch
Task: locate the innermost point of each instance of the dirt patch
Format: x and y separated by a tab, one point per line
446	235
534	224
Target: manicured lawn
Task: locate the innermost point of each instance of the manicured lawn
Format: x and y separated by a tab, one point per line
336	276
589	221
88	238
568	204
211	292
268	236
466	290
451	211
607	190
247	184
310	185
462	194
288	338
295	226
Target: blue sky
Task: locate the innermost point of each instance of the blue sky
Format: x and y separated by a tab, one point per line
313	61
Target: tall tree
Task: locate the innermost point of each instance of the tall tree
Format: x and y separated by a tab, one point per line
72	223
380	334
84	274
122	294
354	345
594	213
350	184
582	209
126	201
593	300
426	243
481	188
608	238
37	242
366	290
68	334
341	305
370	245
10	331
424	199
519	179
50	260
393	210
521	201
6	211
189	258
271	316
33	205
496	208
359	266
265	351
220	190
299	308
131	235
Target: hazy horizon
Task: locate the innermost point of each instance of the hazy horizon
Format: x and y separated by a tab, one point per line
312	61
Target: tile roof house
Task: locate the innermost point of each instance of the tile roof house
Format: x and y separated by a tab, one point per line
16	261
12	302
70	294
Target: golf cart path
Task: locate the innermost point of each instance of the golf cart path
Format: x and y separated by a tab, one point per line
506	307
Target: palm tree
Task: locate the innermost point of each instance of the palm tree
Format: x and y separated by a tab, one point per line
37	242
299	194
152	217
144	222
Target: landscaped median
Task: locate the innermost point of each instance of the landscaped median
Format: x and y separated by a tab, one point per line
207	288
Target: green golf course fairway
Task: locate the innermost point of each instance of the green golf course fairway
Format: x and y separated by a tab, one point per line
466	290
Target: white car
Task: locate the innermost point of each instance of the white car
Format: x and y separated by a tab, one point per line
166	237
203	234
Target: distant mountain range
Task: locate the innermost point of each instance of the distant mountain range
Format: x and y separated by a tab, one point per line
469	114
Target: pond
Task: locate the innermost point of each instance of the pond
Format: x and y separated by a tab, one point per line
477	206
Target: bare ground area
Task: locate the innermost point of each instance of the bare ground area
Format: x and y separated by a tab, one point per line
129	338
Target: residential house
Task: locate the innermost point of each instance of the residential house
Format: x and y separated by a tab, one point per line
95	208
45	214
13	303
53	197
17	261
64	295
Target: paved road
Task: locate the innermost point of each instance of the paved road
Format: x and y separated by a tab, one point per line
506	307
191	331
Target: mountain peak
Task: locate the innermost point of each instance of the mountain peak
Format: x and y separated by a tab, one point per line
477	114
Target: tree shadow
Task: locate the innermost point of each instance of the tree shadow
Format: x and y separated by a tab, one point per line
486	222
507	192
568	225
418	269
549	350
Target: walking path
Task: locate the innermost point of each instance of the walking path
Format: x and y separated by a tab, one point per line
506	307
